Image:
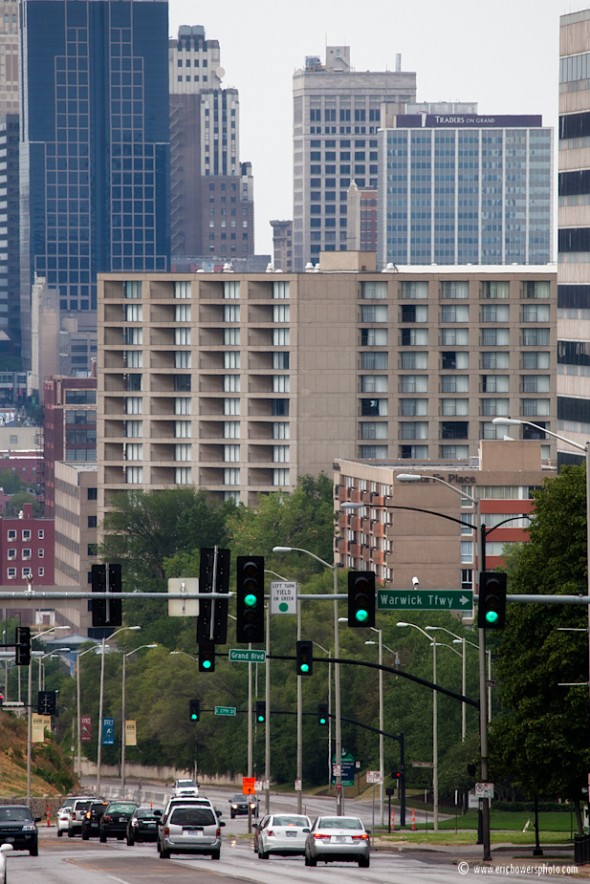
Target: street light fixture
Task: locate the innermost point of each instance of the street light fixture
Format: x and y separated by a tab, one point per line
101	700
338	724
402	623
124	711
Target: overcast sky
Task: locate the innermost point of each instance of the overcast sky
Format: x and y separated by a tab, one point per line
502	54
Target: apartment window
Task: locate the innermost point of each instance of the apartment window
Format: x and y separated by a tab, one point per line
494	407
133	451
231	429
410	290
231	453
280	360
182	429
182	337
535	383
410	360
92	494
413	407
132	289
373	337
530	407
413	452
231	289
454	430
134	475
373	383
41	553
491	431
26	534
231	359
182	383
373	452
231	337
41	534
454	383
182	313
182	476
231	406
40	572
537	289
133	337
11	534
538	359
12	553
182	405
495	337
373	313
454	359
373	407
182	451
413	337
11	573
281	291
27	573
413	383
466	551
535	313
281	430
454	452
133	429
454	407
231	476
494	360
454	313
371	430
133	312
454	288
535	337
495	313
280	477
281	313
374	290
281	384
231	383
373	360
280	407
133	358
182	359
414	313
92	522
413	430
281	454
231	312
495	289
495	383
182	289
454	337
281	337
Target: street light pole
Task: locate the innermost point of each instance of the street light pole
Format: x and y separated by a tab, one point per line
326	651
434	725
100	704
124	711
381	717
338	724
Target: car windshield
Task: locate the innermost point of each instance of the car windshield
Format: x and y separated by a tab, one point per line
290	821
193	816
121	808
15	813
237	799
147	812
339	822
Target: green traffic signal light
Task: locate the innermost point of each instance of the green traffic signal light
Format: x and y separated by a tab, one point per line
206	656
491	606
323	714
250	600
304	657
194	709
260	711
361	598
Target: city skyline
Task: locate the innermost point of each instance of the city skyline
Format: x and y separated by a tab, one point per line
458	67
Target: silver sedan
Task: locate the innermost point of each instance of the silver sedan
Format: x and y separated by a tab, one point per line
338	839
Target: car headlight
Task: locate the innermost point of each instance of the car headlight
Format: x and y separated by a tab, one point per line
29	827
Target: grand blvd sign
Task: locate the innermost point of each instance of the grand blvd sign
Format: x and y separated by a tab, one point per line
425	600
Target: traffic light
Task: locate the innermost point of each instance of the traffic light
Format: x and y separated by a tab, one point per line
491	607
361	598
323	714
213	577
250	599
206	657
46	702
107	612
22	640
304	658
260	712
194	709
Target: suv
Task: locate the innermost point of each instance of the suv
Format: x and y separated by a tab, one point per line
78	808
242	804
19	828
113	822
190	828
185	789
92	817
192	802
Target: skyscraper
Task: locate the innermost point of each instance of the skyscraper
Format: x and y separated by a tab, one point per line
465	189
94	145
573	293
336	116
212	203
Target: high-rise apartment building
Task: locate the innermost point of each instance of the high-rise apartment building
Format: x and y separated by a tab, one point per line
212	201
573	293
94	145
9	236
465	189
240	383
336	117
9	94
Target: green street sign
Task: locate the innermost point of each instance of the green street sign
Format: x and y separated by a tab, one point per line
425	600
225	710
237	655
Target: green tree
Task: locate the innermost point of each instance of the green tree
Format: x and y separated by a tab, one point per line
10	481
539	741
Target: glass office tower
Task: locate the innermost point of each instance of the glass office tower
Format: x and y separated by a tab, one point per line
94	144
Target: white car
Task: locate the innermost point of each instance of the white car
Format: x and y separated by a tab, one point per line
185	789
63	817
3	851
283	834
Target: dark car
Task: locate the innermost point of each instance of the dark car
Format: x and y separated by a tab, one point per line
240	804
113	822
143	825
18	827
91	819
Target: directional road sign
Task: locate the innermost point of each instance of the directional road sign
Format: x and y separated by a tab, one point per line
225	710
237	655
425	599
